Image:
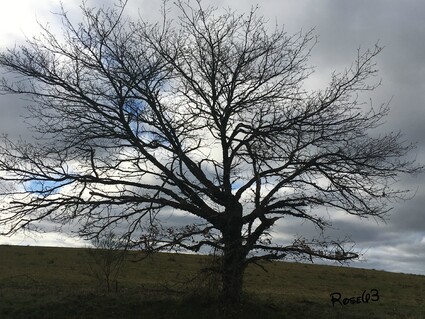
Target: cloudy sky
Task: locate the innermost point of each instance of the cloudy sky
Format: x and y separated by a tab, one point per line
342	26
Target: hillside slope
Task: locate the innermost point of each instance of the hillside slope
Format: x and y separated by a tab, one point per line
41	282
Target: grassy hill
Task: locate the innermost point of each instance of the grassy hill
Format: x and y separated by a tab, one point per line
41	282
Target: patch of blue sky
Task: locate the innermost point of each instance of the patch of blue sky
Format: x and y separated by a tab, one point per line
134	109
237	185
44	186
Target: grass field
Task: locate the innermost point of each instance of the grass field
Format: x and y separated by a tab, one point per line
46	282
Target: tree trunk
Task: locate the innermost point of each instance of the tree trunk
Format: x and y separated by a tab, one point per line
233	265
232	275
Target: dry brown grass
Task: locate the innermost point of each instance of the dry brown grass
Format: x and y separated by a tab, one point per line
45	282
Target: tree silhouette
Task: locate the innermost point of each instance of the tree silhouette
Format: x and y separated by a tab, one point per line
206	115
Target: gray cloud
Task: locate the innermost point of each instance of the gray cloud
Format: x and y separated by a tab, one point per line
343	26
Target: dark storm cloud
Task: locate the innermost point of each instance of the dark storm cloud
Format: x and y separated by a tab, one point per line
342	27
11	121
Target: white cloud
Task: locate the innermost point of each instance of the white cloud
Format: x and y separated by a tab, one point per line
53	239
19	17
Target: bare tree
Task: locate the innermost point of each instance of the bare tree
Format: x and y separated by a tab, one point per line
106	259
206	114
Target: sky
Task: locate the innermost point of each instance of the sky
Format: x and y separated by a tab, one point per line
342	27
